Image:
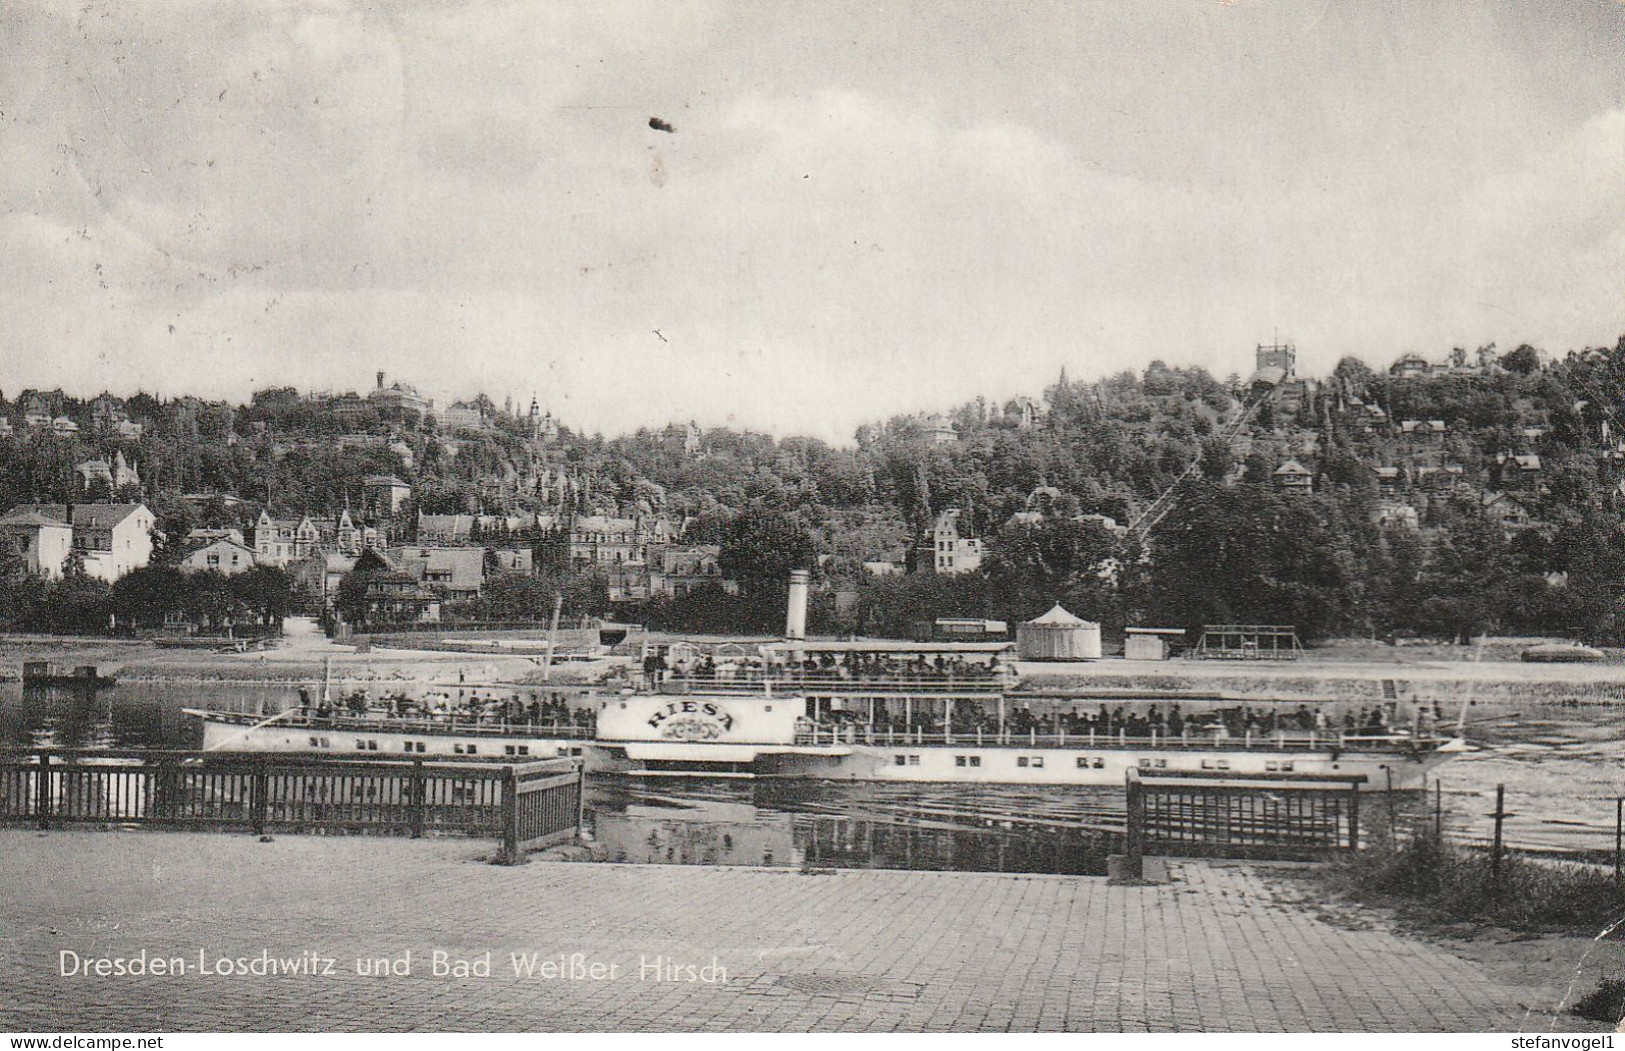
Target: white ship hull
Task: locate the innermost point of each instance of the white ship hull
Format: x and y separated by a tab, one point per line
689	737
223	732
1003	764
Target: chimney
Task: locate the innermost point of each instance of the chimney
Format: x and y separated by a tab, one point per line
380	381
795	617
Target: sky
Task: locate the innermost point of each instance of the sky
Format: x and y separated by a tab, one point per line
860	210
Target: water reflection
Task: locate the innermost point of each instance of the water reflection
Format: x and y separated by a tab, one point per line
1563	767
815	824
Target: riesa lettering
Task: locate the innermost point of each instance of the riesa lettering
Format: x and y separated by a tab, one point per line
709	709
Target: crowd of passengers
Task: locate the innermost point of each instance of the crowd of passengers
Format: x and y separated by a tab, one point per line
494	708
1113	721
851	667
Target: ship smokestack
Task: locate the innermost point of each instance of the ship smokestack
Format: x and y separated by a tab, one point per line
795	616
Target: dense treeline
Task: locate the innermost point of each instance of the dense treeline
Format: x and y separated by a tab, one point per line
1234	547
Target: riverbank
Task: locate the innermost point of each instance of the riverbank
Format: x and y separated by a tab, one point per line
1362	673
1221	949
1550	930
291	661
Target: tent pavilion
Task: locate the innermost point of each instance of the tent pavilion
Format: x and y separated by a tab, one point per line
1058	636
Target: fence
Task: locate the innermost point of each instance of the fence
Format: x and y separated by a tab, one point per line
1278	816
1582	842
528	805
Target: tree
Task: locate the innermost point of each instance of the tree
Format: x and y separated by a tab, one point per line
265	590
759	549
1524	360
1248	554
1032	565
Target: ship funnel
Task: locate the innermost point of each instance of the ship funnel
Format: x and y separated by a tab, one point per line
795	615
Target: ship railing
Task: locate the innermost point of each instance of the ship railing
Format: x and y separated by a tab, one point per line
1280	740
838	685
415	725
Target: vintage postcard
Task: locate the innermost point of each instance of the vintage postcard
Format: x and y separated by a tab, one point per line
522	516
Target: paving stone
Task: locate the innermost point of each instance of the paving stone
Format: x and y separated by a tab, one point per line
854	951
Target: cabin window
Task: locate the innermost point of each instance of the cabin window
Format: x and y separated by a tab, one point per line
472	749
1215	764
900	760
1083	762
315	742
360	745
1021	760
1162	764
767	707
1038	762
457	748
524	749
372	746
1144	764
913	760
976	760
959	760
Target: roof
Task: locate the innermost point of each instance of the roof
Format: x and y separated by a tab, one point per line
1154	631
23	516
465	564
888	646
221	542
1271	375
1387	472
103	516
451	525
1059	617
603	524
1292	467
205	533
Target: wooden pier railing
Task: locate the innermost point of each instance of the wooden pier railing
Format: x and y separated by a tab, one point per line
529	806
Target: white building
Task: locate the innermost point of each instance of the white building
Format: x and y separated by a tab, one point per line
951	552
42	541
222	556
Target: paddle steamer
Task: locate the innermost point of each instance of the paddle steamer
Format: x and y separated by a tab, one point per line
873	711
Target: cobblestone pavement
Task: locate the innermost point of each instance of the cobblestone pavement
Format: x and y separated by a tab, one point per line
1215	950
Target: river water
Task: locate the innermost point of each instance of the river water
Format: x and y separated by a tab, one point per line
1563	768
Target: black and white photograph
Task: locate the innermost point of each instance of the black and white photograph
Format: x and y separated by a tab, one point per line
727	516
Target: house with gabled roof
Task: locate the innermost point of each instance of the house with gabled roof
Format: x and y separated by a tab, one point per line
1293	477
42	541
278	541
111	540
220	556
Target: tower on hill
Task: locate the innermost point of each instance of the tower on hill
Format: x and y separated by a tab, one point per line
1283	356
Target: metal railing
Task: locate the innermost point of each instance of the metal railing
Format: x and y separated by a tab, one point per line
819	735
415	725
931	684
528	805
